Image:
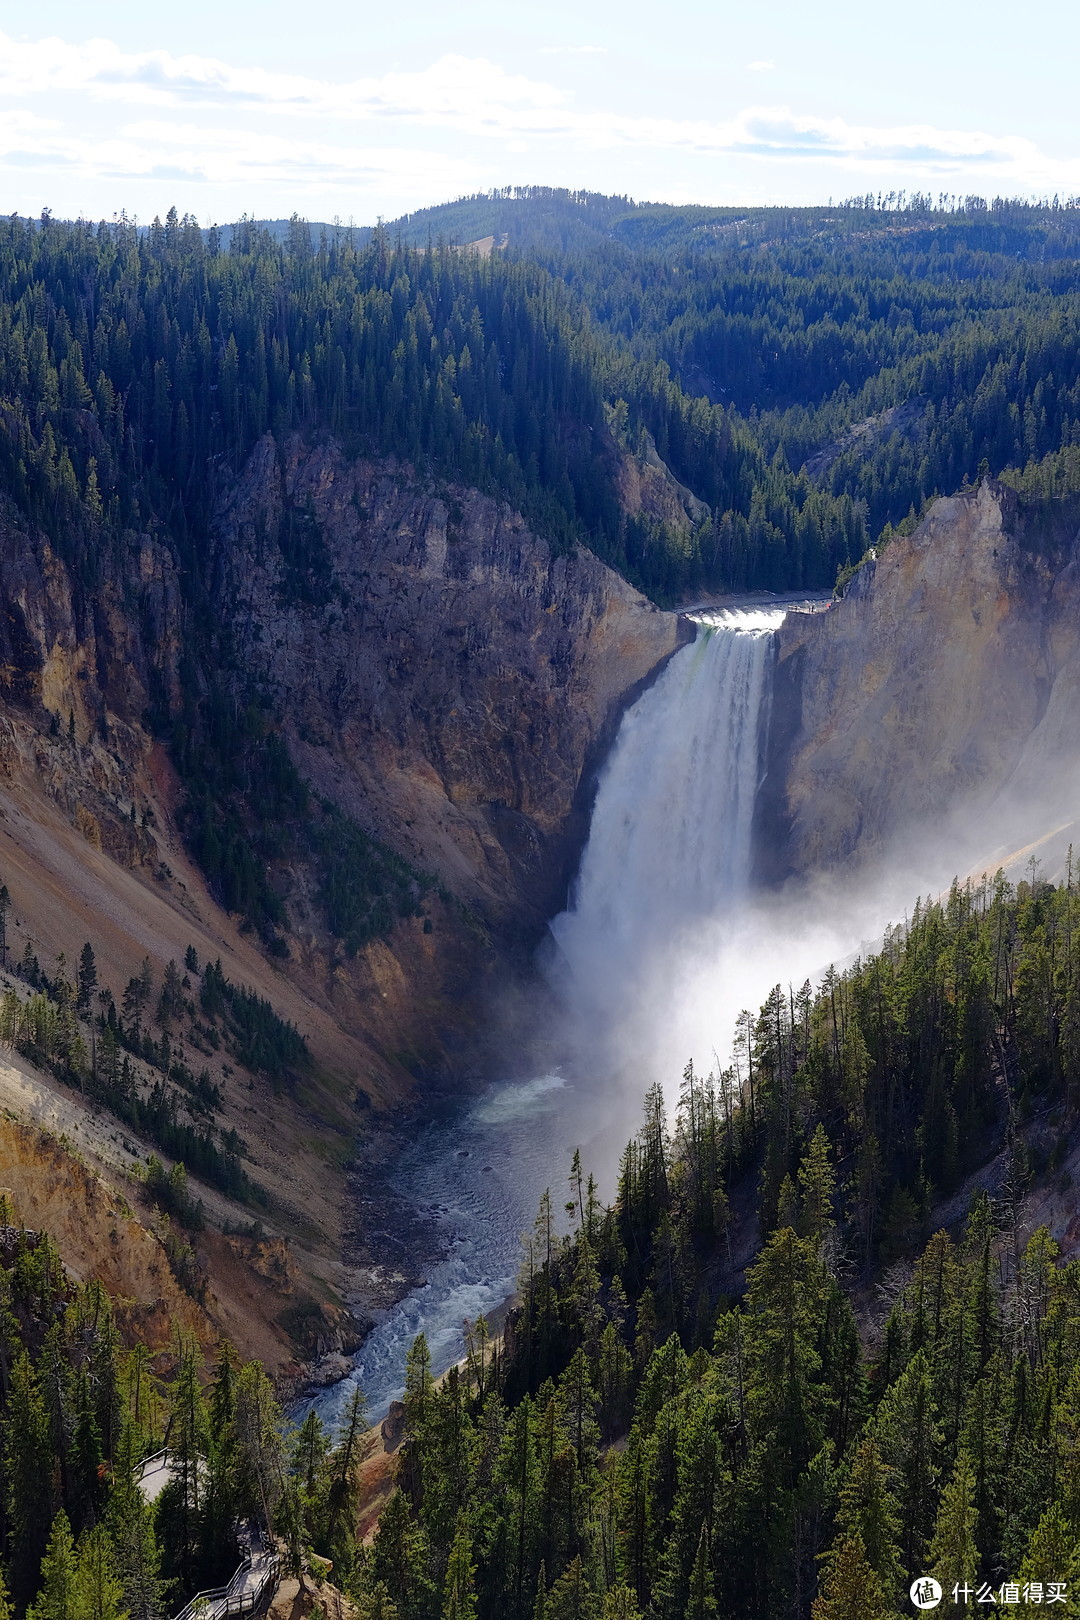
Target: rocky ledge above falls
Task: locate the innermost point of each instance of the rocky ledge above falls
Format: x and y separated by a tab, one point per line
947	677
443	674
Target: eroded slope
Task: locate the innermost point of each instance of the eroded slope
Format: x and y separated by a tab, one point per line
937	701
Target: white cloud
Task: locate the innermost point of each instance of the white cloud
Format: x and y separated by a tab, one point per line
467	95
189	153
778	132
760	67
452	86
16	125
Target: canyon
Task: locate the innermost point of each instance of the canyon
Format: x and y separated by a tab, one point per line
505	757
454	684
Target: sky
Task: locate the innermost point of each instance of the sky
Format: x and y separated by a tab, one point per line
358	111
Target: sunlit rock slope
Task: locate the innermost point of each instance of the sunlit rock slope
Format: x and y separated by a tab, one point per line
939	700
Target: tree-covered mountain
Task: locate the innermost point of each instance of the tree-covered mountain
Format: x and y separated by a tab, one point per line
811	375
758	1384
138	368
661	1435
889	346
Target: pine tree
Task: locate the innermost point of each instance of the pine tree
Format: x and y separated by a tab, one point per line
99	1592
59	1596
1053	1554
56	1383
179	1507
787	1205
459	1591
908	1435
311	1447
259	1443
702	1601
954	1556
817	1185
983	1438
171	1000
292	1530
373	1602
220	1505
86	979
401	1558
29	1467
785	1296
130	1522
851	1589
540	1603
570	1597
868	1509
620	1604
87	1457
346	1460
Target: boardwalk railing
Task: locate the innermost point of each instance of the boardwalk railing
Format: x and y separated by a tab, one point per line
246	1589
242	1595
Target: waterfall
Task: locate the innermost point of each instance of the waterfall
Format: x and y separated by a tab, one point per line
642	964
667	861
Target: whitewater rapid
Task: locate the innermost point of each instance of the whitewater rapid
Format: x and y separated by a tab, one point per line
667	861
480	1181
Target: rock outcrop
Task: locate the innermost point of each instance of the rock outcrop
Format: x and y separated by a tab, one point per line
443	675
938	699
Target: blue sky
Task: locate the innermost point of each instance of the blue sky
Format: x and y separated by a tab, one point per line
356	110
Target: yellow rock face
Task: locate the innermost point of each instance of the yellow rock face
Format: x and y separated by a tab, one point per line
938	698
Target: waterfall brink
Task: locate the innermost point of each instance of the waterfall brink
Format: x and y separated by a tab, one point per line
668	855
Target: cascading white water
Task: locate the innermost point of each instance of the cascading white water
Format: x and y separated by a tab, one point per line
668	856
670	834
666	862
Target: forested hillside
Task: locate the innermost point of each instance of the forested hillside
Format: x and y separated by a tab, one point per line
662	1433
662	1437
853	363
82	1408
135	1054
888	346
136	370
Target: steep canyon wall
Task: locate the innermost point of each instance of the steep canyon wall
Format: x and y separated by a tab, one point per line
937	702
439	673
445	676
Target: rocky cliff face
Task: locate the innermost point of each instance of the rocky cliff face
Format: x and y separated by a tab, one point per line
442	675
937	699
76	673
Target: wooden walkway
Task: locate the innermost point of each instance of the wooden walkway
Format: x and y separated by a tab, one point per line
258	1573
